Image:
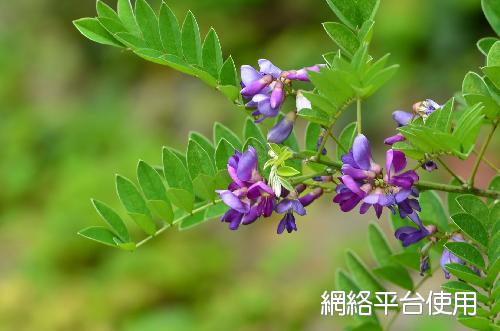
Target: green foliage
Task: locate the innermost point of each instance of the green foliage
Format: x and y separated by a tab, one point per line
160	39
436	136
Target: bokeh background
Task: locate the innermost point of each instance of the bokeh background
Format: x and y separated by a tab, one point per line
74	113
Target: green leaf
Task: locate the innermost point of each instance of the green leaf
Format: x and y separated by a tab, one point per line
221	131
362	276
494	55
491	10
313	131
408	259
466	252
379	246
112	219
212	54
228	75
472	228
494	186
395	274
465	273
369	326
251	130
211	212
474	84
131	40
103	10
154	190
344	283
100	234
347	12
181	198
474	206
493	74
198	160
484	44
342	36
191	40
346	138
494	217
92	29
135	204
148	23
170	32
368	9
457	286
476	323
176	174
126	14
441	119
224	151
453	206
433	210
205	143
286	171
204	187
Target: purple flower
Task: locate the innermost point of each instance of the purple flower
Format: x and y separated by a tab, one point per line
429	165
301	74
280	132
291	204
288	223
248	196
424	264
362	180
409	235
447	257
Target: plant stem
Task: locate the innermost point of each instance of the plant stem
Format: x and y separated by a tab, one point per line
481	154
488	162
323	141
339	144
450	171
167	225
358	114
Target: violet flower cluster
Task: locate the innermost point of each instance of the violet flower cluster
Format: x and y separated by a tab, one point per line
265	91
249	196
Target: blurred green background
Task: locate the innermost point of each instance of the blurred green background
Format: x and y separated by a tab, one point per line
74	113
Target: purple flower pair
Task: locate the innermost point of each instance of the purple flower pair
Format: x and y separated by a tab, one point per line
248	195
291	204
265	90
363	181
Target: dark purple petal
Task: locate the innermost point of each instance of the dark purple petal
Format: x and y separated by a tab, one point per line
395	160
364	208
394	139
378	210
258	189
353	172
309	198
284	206
361	151
429	166
402	117
280	132
251	216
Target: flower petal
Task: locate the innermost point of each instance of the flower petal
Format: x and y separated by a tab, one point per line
269	68
361	151
402	117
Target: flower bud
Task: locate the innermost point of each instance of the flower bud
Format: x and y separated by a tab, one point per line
280	132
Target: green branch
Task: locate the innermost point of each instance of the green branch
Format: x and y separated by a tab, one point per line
481	154
358	114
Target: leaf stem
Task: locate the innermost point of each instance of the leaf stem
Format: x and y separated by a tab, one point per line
481	154
338	142
451	172
488	162
358	114
167	225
